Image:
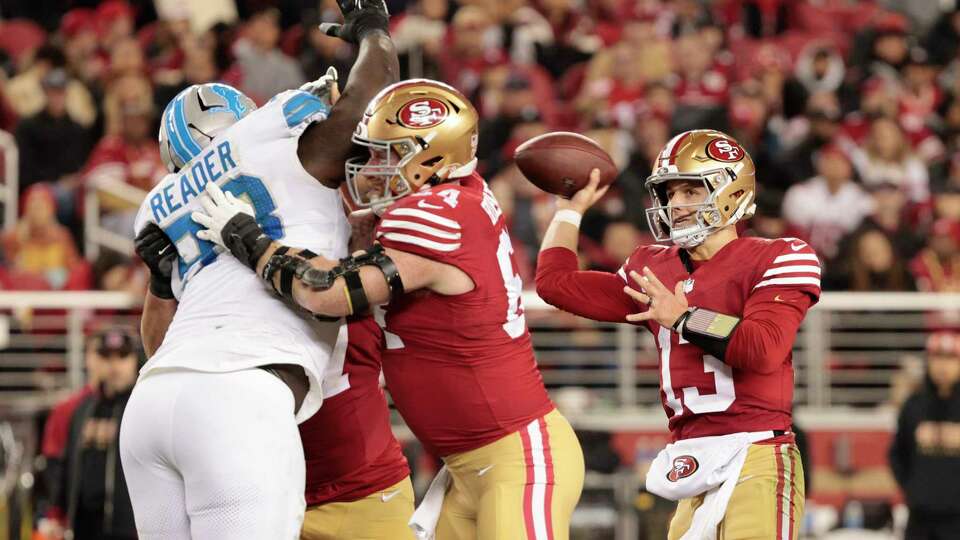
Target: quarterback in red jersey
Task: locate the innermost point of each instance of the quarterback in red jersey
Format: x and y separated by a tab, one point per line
458	360
725	312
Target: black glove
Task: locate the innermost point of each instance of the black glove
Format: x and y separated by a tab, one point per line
159	254
360	17
245	239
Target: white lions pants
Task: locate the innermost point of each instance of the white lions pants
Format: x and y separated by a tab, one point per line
213	456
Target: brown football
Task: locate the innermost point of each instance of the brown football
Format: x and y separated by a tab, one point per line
560	162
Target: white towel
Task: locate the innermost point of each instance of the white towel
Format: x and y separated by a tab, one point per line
708	465
424	519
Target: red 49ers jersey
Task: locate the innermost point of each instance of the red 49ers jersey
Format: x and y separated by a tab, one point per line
460	368
702	395
349	447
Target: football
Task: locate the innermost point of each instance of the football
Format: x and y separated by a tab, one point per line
560	162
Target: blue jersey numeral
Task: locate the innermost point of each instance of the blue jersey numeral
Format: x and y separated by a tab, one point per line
263	206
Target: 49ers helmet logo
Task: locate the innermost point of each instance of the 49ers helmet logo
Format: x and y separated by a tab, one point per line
683	466
422	113
725	150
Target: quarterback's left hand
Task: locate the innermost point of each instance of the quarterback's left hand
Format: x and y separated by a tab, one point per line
218	209
663	305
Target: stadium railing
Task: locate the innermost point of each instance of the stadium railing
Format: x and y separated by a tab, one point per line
850	352
9	192
101	188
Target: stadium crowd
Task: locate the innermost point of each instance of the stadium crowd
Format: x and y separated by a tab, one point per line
850	109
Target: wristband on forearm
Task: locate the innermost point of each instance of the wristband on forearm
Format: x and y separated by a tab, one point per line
160	287
709	330
568	216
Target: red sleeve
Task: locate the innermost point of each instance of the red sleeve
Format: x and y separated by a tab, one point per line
594	295
763	340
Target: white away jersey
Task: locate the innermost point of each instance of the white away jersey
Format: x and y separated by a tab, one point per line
228	318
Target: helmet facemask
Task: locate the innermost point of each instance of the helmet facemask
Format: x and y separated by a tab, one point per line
707	214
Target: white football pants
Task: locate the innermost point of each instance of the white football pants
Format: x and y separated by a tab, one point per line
213	456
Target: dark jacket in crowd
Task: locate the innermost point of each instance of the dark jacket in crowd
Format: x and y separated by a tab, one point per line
94	491
925	454
50	148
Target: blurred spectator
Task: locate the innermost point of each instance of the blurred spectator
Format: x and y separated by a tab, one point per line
828	206
79	30
870	264
115	22
818	127
512	104
925	454
889	50
199	67
265	70
937	267
764	18
921	97
52	144
40	252
468	52
113	271
129	158
26	92
55	434
886	157
320	51
944	38
699	83
126	58
94	490
818	70
122	92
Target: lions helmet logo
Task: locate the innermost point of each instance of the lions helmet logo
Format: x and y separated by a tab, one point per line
725	150
683	466
422	113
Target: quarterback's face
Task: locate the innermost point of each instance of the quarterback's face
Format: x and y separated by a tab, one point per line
682	196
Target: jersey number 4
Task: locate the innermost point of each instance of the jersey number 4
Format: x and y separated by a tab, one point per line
183	230
690	396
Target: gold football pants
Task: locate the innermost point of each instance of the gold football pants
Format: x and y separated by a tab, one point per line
521	487
377	516
767	503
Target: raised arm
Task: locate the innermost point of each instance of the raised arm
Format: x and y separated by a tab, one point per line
560	282
325	146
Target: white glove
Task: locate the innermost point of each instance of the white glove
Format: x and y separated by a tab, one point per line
218	209
325	88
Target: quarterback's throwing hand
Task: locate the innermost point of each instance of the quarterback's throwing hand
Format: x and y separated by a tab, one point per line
663	305
218	209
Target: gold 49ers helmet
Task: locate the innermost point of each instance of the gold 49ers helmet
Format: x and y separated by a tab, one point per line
726	170
419	132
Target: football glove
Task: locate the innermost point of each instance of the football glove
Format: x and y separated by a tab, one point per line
325	88
158	253
230	223
359	18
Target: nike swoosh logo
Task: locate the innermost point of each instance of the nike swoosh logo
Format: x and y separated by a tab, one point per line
745	478
777	298
484	470
425	204
797	247
203	106
387	496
